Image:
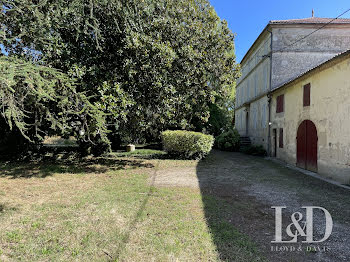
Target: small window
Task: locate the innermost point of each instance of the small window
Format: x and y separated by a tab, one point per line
306	98
280	104
281	138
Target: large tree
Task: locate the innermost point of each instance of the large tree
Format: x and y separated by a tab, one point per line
37	101
150	65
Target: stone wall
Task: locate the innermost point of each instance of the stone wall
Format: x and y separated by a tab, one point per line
289	61
329	111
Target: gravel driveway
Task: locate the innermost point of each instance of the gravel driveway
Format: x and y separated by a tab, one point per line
251	185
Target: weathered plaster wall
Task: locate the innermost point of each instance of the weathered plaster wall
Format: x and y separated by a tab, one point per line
330	112
255	77
240	121
252	86
257	121
290	61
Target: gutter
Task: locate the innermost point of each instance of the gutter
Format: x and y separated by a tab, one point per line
269	101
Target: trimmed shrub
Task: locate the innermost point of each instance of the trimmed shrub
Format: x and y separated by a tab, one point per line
228	141
187	144
254	150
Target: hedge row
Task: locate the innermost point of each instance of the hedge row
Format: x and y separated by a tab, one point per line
187	144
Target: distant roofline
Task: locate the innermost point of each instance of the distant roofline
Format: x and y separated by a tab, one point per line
296	22
312	20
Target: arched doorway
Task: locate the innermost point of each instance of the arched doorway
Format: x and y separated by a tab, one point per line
307	146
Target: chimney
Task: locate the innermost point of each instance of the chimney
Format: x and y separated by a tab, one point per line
313	12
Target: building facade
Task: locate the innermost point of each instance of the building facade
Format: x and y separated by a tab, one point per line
310	120
283	51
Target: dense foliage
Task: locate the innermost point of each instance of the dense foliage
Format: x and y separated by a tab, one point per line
187	144
254	150
221	118
149	65
228	141
38	101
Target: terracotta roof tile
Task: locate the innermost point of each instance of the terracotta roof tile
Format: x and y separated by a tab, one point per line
312	20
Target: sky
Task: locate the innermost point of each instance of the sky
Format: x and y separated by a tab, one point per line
247	18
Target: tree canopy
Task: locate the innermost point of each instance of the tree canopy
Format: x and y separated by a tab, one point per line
38	101
147	65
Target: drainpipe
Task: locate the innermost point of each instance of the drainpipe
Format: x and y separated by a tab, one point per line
269	101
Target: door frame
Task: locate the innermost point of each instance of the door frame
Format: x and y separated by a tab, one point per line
274	137
247	123
306	144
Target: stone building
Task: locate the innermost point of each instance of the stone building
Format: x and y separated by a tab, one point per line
310	119
284	50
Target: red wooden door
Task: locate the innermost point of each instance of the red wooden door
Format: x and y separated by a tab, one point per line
307	146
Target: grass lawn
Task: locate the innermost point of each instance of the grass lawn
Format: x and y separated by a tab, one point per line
108	209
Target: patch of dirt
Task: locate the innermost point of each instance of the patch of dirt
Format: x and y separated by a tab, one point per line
178	176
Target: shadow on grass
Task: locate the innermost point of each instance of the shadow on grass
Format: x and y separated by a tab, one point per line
67	163
222	205
144	154
5	208
131	227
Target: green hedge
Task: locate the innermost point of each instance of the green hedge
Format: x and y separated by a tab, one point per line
228	141
187	144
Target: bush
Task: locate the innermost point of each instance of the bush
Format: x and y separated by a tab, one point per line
254	150
220	121
186	144
97	147
228	141
100	147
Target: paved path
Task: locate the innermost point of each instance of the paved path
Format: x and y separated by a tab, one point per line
251	185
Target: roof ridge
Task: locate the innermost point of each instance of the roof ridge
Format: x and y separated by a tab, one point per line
310	20
299	18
